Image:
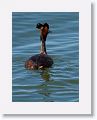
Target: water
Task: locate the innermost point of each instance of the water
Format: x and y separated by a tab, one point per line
59	83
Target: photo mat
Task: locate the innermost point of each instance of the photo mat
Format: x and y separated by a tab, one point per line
83	105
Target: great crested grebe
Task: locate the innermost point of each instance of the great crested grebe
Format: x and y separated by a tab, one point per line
42	60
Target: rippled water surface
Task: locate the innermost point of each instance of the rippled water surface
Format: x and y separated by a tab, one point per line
59	83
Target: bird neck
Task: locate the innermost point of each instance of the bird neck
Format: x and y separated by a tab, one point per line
43	47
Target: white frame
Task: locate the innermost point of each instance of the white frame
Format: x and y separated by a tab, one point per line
84	104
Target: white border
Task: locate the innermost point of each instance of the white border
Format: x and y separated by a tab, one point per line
84	104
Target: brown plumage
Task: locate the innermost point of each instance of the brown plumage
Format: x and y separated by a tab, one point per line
43	32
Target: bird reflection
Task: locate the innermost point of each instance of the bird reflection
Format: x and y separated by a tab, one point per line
45	75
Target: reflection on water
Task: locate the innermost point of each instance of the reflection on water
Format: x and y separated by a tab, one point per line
60	83
45	75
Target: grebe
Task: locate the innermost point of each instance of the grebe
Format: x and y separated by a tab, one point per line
42	60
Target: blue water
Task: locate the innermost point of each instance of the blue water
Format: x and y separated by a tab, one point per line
59	83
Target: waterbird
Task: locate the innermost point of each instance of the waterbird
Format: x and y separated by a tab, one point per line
41	60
